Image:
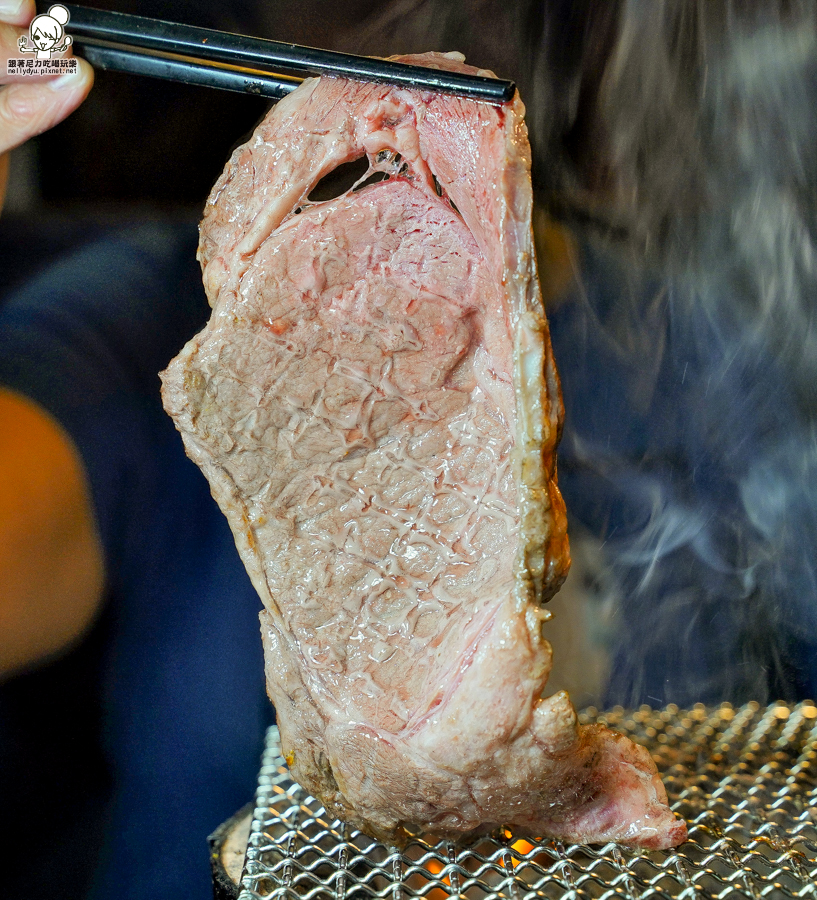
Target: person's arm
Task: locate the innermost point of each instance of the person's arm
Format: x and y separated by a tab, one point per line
51	559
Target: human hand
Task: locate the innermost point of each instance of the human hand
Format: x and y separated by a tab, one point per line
30	105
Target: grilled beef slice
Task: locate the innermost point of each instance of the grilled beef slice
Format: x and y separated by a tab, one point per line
375	405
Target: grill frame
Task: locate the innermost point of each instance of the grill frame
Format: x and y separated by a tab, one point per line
744	779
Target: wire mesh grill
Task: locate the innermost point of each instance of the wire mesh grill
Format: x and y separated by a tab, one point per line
745	781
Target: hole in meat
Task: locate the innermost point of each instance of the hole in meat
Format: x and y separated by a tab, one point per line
339	181
372	179
440	192
388	158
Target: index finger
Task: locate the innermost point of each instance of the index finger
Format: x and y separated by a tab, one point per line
17	12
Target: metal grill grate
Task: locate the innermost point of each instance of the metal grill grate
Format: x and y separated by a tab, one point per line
744	779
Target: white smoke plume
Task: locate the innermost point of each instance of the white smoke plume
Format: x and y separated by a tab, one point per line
677	139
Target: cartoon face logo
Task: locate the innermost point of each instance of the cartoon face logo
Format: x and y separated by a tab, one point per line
43	39
45	33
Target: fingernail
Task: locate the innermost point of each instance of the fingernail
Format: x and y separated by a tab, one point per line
11	8
67	80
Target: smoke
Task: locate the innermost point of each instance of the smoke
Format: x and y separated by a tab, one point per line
695	465
695	307
678	141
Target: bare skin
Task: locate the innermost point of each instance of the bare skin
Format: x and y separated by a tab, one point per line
51	563
51	569
29	106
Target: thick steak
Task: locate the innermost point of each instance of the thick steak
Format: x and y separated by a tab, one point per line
375	405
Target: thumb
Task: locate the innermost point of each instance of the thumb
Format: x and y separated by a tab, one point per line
28	108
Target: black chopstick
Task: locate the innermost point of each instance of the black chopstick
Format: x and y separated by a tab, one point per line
185	70
241	51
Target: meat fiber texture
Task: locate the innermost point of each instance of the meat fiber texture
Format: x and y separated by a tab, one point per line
376	408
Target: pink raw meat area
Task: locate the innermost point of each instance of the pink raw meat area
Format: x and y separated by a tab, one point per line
375	405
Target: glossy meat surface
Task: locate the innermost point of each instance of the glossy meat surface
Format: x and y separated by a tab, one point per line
376	408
